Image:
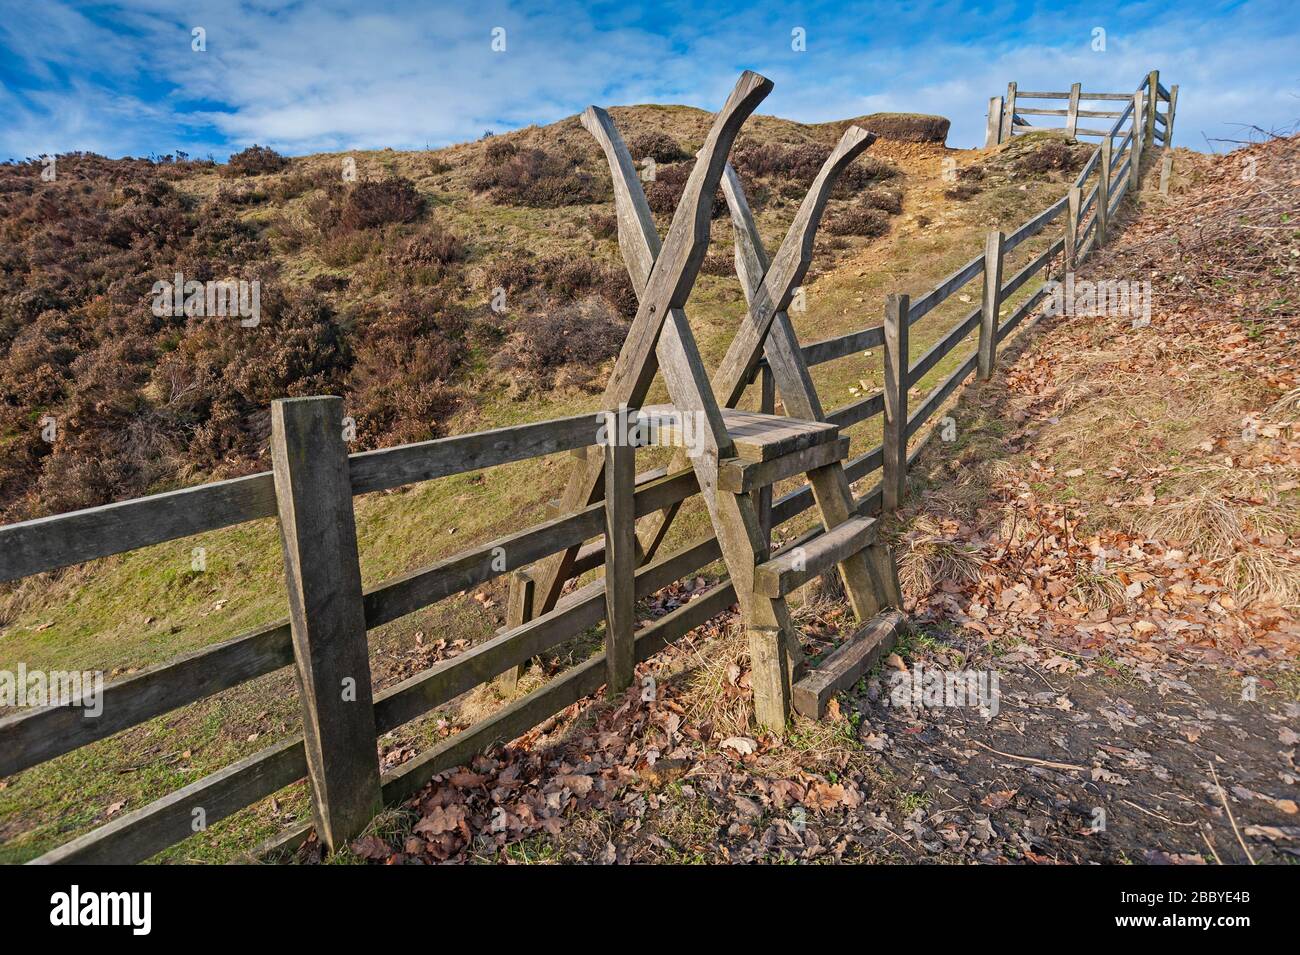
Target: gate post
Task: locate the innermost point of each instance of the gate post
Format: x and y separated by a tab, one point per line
318	534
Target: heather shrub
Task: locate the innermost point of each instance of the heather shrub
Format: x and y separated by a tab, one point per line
565	278
534	177
431	247
861	220
886	200
255	161
576	337
670	182
398	388
658	146
1052	155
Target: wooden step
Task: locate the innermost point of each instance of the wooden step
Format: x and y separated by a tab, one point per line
847	664
757	436
795	567
740	476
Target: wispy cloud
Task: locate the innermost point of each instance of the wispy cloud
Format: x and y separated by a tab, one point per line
123	78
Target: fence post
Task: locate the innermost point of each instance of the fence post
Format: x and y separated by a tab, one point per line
896	374
993	124
988	346
1169	117
1008	113
1153	100
519	610
1103	190
1135	156
1074	203
1166	169
1072	114
318	535
767	406
620	564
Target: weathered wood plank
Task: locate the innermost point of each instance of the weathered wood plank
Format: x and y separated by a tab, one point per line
859	410
897	372
939	294
1169	116
740	476
319	537
519	717
1075	200
388	468
1034	225
579	611
992	298
1023	309
1103	190
936	352
993	122
841	346
786	270
412	591
47	543
1072	111
34	736
1009	112
135	836
519	610
847	664
797	566
939	394
1015	283
620	566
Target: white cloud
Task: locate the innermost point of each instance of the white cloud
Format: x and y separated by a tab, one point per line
338	75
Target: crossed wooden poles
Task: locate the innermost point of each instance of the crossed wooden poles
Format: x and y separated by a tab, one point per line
660	339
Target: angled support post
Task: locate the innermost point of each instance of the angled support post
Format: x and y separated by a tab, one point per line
319	537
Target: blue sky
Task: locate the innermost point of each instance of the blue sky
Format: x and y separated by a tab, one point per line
122	78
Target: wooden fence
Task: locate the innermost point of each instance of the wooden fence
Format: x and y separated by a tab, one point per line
1006	115
311	487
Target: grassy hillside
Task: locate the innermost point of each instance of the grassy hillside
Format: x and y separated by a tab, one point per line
379	289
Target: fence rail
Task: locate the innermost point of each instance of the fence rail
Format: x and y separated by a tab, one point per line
311	488
1005	117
